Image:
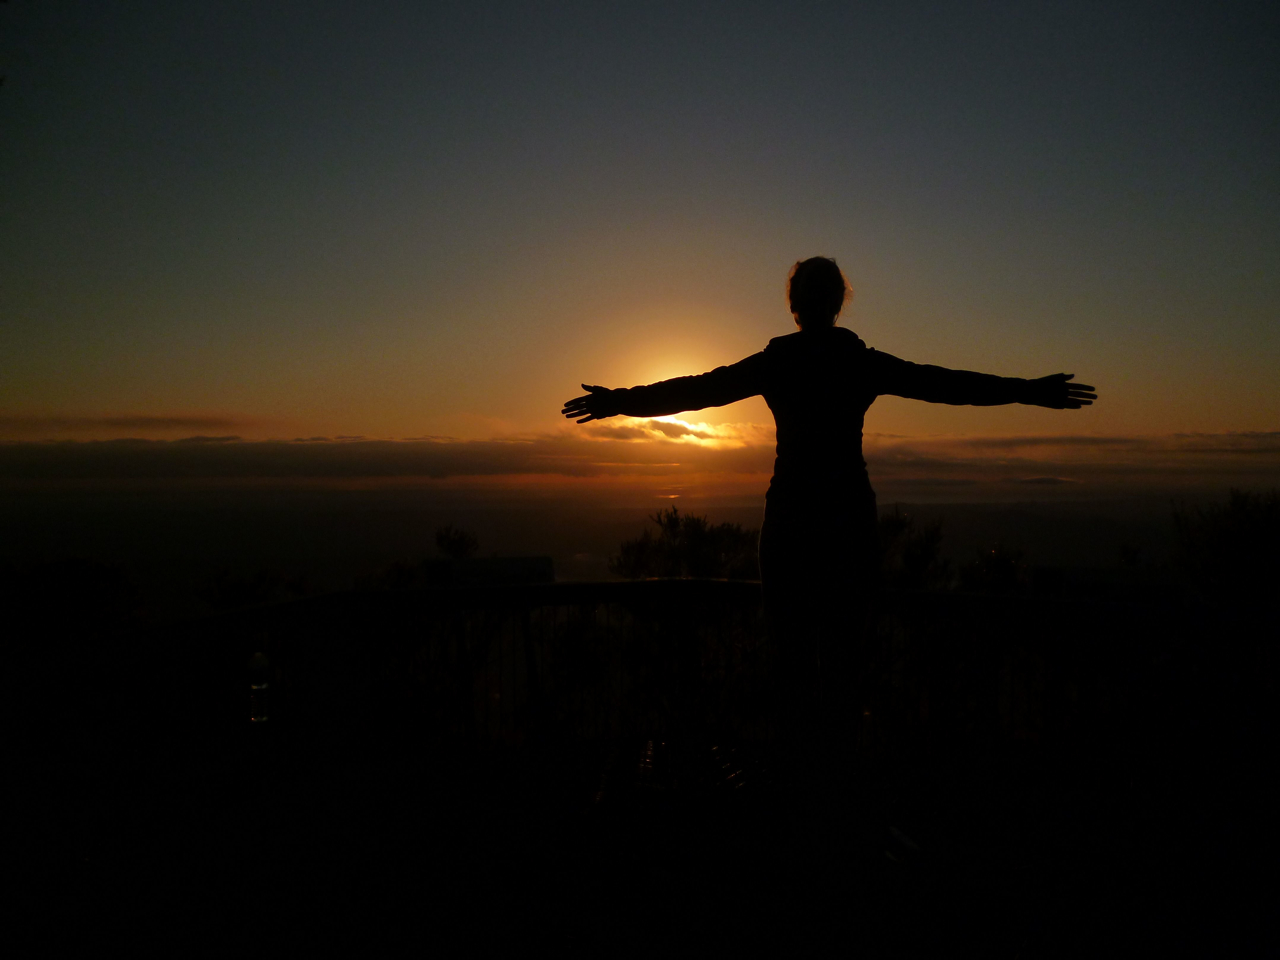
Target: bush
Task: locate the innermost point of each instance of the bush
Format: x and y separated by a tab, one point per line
910	556
690	546
998	569
1232	551
456	544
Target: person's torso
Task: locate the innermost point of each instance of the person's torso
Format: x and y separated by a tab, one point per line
819	390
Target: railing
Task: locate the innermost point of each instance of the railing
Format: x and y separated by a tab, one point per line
481	667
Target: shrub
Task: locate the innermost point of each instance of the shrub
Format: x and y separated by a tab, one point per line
1231	551
456	544
910	556
689	546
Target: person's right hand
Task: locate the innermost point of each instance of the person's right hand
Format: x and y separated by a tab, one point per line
597	404
1055	392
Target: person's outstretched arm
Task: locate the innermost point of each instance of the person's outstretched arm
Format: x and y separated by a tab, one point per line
715	389
919	381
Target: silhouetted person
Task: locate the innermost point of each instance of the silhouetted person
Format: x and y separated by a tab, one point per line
818	551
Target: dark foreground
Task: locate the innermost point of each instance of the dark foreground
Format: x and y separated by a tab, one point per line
1146	833
998	856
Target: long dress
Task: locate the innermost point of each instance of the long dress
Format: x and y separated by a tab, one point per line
818	546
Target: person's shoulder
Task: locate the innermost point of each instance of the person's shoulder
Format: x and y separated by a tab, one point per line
778	344
831	338
847	339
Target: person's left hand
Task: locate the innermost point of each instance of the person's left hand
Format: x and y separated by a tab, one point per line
595	405
1056	392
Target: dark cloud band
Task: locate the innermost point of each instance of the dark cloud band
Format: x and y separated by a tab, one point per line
1029	462
35	427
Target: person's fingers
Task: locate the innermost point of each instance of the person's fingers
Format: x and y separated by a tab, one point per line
1073	397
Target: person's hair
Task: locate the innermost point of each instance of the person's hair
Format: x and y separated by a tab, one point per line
817	291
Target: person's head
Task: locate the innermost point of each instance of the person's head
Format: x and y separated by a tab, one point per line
817	292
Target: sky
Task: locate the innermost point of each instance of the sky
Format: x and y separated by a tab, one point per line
431	222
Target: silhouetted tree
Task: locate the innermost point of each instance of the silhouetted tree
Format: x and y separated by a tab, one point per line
689	546
456	544
1231	552
910	555
997	569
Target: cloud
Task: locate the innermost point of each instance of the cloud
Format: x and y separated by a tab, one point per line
610	432
33	427
671	428
1092	447
1083	462
666	452
1017	443
936	482
563	455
